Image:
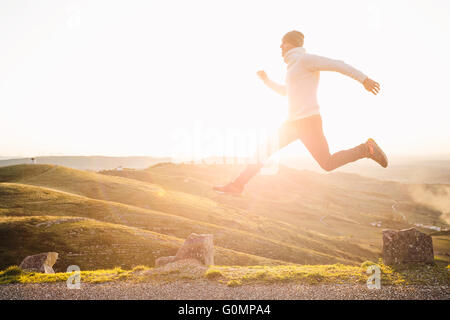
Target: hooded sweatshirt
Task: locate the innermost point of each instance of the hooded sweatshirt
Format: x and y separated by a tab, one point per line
302	80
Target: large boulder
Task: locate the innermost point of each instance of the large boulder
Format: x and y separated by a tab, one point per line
197	246
42	262
407	246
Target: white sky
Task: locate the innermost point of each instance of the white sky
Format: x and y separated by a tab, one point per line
125	77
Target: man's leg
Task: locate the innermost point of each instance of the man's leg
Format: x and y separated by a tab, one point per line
286	134
311	134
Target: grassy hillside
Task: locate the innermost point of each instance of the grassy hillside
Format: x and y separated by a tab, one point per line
92	244
270	238
341	206
294	216
345	195
19	200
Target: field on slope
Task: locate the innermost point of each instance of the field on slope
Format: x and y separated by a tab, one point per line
92	244
25	200
342	206
280	219
233	228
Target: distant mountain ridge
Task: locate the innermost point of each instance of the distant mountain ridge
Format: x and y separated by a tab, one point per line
412	170
92	163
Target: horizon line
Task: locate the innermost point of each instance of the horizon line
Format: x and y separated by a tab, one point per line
434	156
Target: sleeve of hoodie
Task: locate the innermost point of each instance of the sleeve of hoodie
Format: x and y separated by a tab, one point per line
318	63
278	88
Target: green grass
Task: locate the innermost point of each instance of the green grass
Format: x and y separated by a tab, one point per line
240	275
309	274
97	276
329	274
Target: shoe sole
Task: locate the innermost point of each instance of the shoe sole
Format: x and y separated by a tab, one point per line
376	146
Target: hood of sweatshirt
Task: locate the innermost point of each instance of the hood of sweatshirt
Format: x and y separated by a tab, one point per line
291	56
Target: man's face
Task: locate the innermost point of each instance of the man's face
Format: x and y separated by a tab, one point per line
285	47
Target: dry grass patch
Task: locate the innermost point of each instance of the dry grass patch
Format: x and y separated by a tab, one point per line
335	273
14	274
416	274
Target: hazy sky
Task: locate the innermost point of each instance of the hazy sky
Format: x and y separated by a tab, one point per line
135	77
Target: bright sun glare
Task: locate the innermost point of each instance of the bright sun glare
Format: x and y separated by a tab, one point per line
116	78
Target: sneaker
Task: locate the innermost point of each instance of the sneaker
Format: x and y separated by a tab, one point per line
230	188
376	154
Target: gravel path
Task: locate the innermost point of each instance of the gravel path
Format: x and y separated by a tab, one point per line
205	289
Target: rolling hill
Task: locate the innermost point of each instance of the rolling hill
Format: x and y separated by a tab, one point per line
20	200
292	217
93	244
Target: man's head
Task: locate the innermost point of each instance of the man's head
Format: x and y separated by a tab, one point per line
291	40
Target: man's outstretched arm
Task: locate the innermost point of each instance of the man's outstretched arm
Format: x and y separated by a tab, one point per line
318	63
278	88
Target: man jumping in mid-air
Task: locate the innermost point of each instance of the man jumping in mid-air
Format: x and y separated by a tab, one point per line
304	121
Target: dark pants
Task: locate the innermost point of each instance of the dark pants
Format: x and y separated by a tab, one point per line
309	131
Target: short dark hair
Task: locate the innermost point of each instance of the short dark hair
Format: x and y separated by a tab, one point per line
295	38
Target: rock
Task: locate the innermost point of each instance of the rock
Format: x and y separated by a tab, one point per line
42	262
186	268
197	246
407	246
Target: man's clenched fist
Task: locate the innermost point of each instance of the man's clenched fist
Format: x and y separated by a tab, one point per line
262	75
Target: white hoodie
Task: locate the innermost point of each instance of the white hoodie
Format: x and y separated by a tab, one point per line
302	80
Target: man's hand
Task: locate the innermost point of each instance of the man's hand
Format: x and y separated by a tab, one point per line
371	86
262	75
